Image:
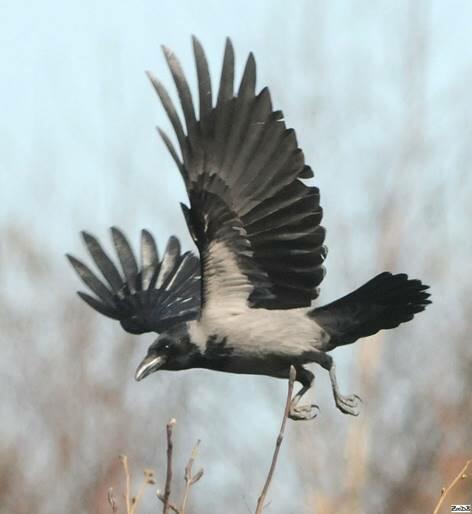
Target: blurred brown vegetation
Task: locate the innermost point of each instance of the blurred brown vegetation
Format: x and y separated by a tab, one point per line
70	407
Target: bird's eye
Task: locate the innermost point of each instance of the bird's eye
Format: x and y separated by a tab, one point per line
166	346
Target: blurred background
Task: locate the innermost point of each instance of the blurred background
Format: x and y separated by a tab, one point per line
380	96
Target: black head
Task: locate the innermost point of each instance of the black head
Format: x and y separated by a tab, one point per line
172	350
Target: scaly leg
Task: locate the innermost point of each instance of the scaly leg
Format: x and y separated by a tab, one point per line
347	404
308	411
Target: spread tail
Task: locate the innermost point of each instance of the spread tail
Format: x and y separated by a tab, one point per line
384	302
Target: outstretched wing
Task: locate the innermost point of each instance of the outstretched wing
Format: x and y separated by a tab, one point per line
149	298
256	224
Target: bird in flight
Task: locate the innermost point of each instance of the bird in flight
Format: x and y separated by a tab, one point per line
244	306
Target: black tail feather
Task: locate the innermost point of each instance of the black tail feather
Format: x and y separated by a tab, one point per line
384	302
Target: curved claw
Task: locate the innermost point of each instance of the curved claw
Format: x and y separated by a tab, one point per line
349	404
304	412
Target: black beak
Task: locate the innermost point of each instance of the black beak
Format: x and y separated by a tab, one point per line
148	365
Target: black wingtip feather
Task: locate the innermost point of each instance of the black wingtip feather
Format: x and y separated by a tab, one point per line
91	281
126	257
172	115
173	245
307	172
204	81
149	259
227	74
102	261
248	82
97	305
173	152
183	88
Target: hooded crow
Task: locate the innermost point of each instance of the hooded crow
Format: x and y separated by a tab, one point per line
246	305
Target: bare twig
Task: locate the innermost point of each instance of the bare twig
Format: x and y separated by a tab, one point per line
111	501
260	501
124	462
172	507
148	480
131	502
170	446
461	475
189	478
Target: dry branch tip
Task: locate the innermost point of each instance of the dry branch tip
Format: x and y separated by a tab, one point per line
446	490
260	502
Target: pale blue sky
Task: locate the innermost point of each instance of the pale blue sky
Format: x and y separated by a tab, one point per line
77	146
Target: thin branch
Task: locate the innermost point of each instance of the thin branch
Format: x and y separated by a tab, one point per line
189	478
261	500
148	480
461	475
171	505
170	447
111	501
124	462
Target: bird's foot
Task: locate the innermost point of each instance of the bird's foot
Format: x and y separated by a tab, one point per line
303	412
348	404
